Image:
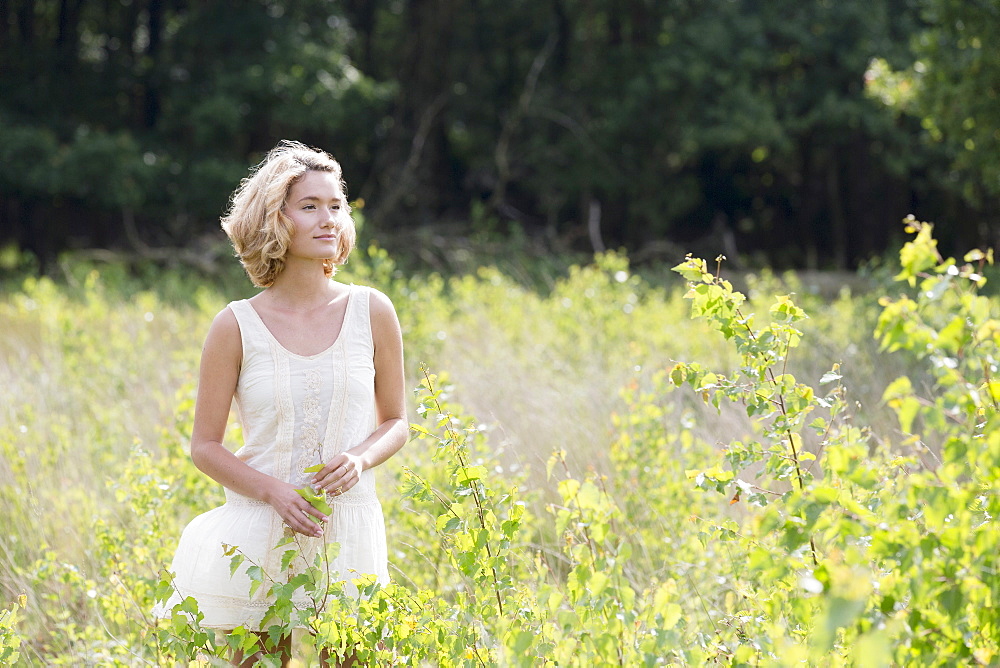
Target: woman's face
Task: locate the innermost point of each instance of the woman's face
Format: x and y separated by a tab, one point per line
315	205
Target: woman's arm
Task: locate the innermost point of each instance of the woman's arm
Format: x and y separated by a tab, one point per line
344	470
220	370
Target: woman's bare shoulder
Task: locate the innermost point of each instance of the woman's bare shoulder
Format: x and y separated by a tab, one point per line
224	332
380	306
225	320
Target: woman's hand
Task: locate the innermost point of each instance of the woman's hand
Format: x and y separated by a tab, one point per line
339	475
295	510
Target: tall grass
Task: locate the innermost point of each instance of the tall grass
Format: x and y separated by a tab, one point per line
94	373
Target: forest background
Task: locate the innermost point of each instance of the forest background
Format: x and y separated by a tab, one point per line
794	134
610	463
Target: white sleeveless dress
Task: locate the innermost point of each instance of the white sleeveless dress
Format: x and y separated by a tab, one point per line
295	411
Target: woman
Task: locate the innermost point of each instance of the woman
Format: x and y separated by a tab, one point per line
316	369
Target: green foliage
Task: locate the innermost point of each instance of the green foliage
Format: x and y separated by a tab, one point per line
674	119
815	496
168	107
9	639
951	88
674	114
890	553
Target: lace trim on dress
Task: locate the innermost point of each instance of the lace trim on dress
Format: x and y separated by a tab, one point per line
282	449
237	499
335	420
355	497
311	453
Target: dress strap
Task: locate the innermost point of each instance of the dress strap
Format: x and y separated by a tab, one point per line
245	314
359	317
252	331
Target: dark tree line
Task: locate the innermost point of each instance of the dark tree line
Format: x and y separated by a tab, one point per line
647	124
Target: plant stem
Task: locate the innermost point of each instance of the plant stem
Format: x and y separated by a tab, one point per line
457	443
800	479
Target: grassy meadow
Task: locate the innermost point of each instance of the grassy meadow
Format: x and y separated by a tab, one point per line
604	470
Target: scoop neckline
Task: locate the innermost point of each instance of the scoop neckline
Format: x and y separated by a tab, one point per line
328	349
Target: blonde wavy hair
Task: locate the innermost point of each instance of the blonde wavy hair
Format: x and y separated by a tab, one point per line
256	223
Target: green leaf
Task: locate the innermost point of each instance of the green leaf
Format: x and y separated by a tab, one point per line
188	605
589	497
554	458
956	451
448	523
784	310
917	255
568	489
235	563
708	381
906	410
954	335
522	641
317	500
901	387
164	590
693	269
467	474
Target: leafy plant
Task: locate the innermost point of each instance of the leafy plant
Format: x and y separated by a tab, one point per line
818	496
10	641
888	556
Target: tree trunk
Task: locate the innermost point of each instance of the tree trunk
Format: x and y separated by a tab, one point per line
151	102
26	22
838	222
415	163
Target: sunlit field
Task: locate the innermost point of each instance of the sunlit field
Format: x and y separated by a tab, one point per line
609	470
